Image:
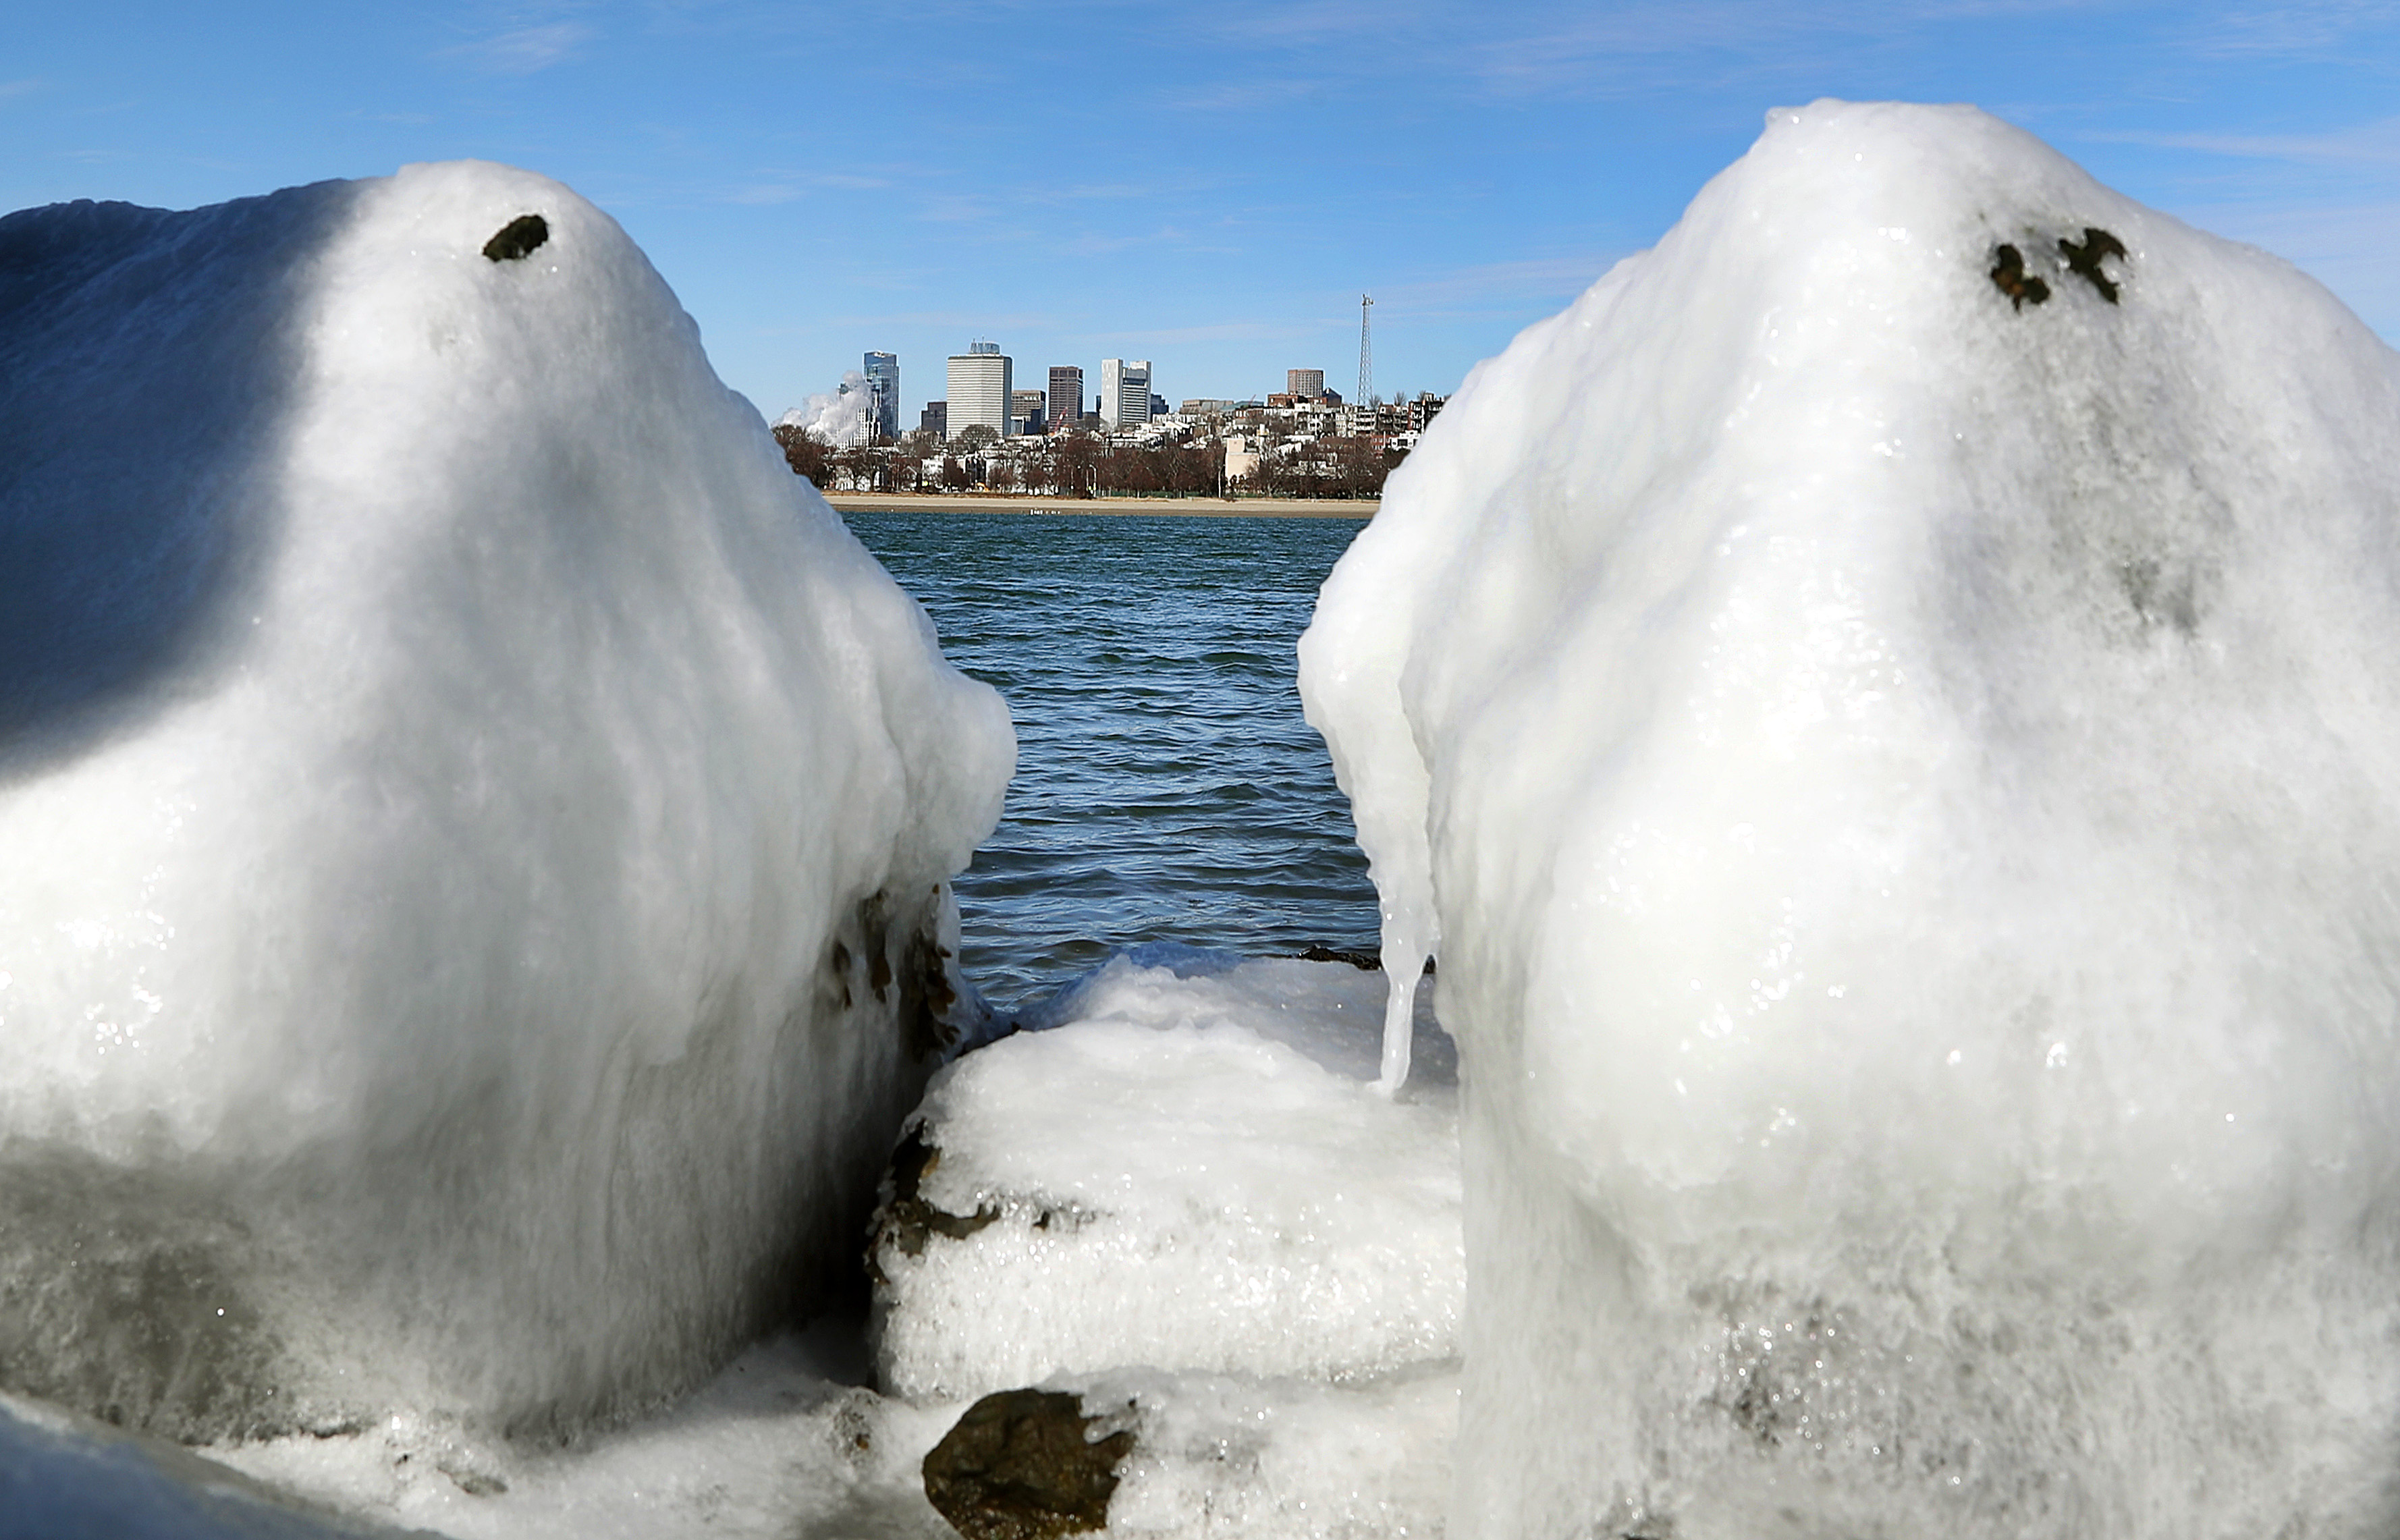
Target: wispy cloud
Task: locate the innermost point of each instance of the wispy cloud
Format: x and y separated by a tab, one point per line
791	186
523	50
1546	280
1574	48
1095	243
982	322
2376	143
1631	48
1241	96
2347	248
13	88
1226	331
2312	28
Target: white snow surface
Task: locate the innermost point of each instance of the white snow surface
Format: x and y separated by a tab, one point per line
454	780
1908	787
841	416
1252	1263
1193	1172
779	1447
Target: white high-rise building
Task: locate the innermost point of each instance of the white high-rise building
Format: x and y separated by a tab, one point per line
980	388
1124	391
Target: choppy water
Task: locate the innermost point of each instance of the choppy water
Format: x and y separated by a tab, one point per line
1166	788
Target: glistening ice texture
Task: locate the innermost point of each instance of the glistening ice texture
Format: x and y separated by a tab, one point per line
1907	769
1196	1214
1193	1173
475	824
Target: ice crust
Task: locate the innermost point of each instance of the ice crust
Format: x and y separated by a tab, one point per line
476	825
1191	1173
775	1449
1252	1263
1908	787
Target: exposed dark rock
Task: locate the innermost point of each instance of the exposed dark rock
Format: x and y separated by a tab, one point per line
519	238
1368	962
907	1220
2084	260
2009	277
928	1001
1022	1464
900	947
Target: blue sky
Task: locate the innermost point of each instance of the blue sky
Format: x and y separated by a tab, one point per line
1207	185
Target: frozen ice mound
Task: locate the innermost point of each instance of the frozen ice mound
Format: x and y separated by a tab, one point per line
475	911
1893	702
1191	1173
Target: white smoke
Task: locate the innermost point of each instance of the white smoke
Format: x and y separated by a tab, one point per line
843	416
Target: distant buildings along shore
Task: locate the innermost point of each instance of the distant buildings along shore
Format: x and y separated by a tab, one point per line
1304	440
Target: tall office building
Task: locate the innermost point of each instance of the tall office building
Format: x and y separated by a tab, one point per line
883	385
1025	407
1305	382
1065	396
979	387
1124	391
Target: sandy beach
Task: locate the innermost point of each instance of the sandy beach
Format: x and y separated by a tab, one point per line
1171	508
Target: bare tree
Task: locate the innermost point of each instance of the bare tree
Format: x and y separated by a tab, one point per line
805	452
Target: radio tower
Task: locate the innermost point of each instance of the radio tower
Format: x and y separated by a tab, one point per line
1366	353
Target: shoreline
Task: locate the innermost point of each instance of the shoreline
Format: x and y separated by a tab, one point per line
1168	508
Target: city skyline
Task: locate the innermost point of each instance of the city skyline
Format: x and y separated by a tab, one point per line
979	375
1211	190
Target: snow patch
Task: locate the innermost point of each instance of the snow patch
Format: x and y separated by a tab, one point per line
1194	1172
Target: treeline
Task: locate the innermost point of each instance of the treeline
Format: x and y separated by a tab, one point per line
1085	465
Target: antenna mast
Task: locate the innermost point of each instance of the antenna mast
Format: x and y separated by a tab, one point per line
1366	353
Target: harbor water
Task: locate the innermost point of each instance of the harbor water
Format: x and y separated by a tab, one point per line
1168	788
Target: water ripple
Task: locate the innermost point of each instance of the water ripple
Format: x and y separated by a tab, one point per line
1166	788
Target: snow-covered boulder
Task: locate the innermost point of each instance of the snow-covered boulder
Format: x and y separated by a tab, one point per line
473	910
1186	1173
1893	699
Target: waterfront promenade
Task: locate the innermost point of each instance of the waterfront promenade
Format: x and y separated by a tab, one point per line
1172	508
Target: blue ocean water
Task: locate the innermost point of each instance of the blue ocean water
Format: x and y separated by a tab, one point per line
1168	788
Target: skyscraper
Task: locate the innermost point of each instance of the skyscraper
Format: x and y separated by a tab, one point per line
1064	397
1124	391
979	387
884	384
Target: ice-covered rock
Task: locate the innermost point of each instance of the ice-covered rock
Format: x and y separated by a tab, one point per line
1228	1457
473	910
1193	1173
1894	700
